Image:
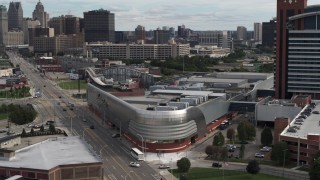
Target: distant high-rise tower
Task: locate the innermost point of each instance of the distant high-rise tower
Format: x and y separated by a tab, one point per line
40	14
15	15
140	33
241	33
3	25
268	34
257	32
99	26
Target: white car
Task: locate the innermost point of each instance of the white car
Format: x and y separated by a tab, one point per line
134	164
265	149
162	166
259	155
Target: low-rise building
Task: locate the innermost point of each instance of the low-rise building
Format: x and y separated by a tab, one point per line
53	159
302	134
136	51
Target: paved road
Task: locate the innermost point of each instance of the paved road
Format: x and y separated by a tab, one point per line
116	156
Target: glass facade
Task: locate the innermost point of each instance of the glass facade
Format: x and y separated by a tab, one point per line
304	61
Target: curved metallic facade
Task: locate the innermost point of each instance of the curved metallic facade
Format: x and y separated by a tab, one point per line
161	126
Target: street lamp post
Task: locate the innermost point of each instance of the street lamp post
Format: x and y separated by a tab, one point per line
141	144
284	160
125	178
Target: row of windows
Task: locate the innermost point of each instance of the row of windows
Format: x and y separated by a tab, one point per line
304	50
304	35
303	41
305	53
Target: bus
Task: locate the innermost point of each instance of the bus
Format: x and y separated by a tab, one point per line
137	154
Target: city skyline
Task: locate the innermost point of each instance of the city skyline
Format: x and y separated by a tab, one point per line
194	14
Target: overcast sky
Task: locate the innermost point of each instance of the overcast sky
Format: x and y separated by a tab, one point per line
194	14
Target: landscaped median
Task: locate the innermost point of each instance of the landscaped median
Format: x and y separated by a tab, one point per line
218	174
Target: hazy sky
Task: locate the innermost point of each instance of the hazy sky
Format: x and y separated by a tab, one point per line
194	14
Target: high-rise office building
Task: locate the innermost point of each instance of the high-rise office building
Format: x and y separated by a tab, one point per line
15	15
140	33
181	31
242	33
258	33
268	33
72	25
3	25
161	36
58	24
99	26
26	24
286	10
41	15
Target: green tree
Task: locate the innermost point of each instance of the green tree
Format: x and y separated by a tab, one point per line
253	167
183	164
266	136
23	134
314	172
218	140
42	128
52	128
231	133
246	131
242	148
279	152
242	132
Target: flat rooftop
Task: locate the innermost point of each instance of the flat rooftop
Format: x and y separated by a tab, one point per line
214	80
188	93
51	153
309	126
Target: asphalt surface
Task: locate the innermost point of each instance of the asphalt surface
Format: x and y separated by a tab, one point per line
114	152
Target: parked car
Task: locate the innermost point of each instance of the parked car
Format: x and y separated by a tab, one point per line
115	135
30	125
92	127
216	165
265	149
84	120
3	130
259	155
162	166
134	164
231	146
315	112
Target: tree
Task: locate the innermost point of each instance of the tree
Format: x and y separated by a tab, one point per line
209	150
183	164
23	134
231	134
314	172
279	152
253	167
266	136
42	128
242	148
242	132
31	131
218	140
52	128
224	154
246	131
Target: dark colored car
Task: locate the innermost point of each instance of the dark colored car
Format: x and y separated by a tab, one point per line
216	165
92	127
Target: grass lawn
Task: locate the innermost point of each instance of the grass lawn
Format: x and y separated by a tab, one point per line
72	84
216	174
